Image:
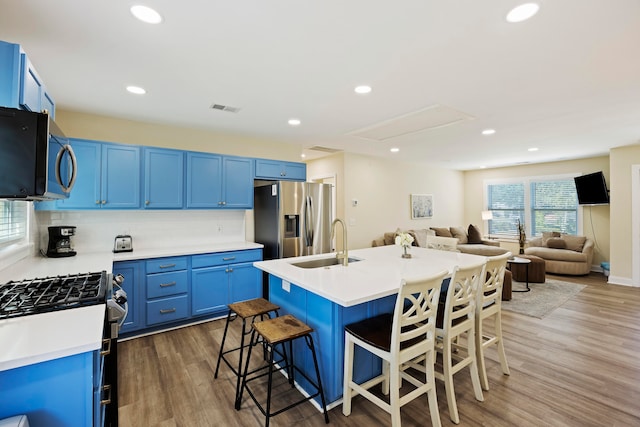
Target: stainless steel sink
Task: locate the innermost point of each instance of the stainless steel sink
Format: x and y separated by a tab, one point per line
321	262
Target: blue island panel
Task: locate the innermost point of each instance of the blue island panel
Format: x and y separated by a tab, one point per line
328	320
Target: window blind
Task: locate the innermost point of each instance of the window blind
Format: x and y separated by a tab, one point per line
13	220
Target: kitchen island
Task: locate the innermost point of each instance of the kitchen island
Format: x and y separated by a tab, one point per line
328	298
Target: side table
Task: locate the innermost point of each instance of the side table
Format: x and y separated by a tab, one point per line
525	262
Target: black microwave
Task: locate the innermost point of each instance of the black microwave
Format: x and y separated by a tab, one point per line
36	159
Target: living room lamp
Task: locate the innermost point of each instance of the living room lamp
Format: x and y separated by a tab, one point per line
487	216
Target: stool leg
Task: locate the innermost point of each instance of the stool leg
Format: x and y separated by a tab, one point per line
243	333
224	337
269	383
291	370
309	341
244	374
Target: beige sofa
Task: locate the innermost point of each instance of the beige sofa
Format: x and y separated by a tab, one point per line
423	238
566	254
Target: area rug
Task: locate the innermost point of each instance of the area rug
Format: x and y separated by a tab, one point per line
542	299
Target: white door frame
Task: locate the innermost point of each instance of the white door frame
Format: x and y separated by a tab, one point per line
635	224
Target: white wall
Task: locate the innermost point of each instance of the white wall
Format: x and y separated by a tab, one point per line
383	188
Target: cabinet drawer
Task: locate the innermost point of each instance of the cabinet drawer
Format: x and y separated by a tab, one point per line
167	310
221	258
162	265
165	284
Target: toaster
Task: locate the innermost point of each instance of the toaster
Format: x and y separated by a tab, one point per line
123	243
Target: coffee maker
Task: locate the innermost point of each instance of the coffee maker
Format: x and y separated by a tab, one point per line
60	241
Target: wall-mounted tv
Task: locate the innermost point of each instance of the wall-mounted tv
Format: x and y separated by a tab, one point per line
592	189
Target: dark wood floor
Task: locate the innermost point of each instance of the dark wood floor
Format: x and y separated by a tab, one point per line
579	366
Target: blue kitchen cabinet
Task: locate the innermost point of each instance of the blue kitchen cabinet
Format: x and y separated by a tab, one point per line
61	392
132	285
222	278
108	178
279	170
167	287
215	181
20	84
163	178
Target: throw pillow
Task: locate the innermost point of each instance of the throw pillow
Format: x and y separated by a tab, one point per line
556	243
421	237
442	231
474	235
459	233
389	238
575	243
546	235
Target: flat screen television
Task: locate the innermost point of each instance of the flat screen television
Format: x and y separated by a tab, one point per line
592	189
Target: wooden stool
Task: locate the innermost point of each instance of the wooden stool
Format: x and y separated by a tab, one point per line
244	310
281	330
536	270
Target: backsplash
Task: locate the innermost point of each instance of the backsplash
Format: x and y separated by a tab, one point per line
96	230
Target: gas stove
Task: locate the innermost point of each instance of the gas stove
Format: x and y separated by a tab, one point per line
41	295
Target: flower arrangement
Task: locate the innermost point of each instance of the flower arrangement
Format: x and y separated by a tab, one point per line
405	240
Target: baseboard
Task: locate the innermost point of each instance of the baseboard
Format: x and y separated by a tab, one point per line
625	281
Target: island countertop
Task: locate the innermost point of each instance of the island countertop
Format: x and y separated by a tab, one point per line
378	273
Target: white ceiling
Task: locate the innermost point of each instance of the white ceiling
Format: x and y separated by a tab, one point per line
567	81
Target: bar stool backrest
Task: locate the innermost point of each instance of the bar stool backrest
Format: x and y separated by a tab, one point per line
460	303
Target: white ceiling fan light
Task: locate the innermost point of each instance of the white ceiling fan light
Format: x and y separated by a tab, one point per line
146	14
522	12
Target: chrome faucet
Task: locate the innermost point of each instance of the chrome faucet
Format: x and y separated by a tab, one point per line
344	255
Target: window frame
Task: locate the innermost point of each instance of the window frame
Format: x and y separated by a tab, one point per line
10	238
528	208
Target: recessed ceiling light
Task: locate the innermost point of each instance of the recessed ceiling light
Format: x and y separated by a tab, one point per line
394	150
146	14
136	89
483	167
533	149
303	155
522	12
362	89
294	122
488	131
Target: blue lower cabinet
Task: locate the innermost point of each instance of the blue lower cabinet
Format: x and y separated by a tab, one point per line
327	320
133	286
165	310
55	393
209	290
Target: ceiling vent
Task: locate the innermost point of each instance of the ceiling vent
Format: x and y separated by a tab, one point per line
428	118
324	149
225	108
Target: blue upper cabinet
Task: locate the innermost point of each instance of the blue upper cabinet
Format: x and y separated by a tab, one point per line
20	84
163	178
108	177
215	181
275	169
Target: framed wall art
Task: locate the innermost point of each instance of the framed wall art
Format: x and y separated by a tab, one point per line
421	206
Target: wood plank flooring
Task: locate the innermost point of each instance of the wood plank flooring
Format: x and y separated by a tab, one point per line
579	366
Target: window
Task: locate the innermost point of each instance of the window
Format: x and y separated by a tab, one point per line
13	220
540	203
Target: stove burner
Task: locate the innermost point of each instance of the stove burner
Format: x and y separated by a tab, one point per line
40	295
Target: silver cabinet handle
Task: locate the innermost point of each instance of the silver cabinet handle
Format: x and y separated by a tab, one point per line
167	310
97	202
164	285
229	258
167	265
104	202
146	202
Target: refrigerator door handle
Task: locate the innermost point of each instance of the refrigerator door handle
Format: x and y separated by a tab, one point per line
308	227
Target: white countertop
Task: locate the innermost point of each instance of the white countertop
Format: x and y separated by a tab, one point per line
36	338
32	339
378	274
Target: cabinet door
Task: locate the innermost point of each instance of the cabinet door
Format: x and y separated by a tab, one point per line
295	171
238	183
163	178
86	191
204	177
275	169
209	290
132	286
120	180
245	282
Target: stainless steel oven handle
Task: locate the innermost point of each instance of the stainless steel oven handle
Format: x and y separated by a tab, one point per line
74	167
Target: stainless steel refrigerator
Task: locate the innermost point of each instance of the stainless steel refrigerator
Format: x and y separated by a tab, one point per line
292	218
